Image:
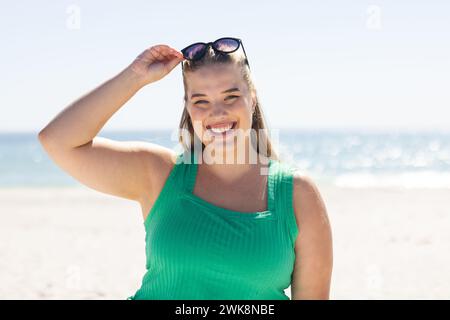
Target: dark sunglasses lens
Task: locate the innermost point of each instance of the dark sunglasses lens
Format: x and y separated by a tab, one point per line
227	45
195	51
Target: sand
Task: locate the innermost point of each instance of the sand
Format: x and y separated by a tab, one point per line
78	243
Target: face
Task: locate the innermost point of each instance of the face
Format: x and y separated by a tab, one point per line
218	98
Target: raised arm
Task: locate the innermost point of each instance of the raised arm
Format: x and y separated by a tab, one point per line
123	169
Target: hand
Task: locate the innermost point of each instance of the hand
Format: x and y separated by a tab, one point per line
155	63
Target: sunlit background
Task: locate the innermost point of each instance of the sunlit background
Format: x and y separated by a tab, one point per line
357	90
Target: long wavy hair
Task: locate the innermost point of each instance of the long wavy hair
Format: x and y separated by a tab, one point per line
258	121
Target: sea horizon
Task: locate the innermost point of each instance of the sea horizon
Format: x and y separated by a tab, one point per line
356	158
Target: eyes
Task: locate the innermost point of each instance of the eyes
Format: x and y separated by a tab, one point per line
202	101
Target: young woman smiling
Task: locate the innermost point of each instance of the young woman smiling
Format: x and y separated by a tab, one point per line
215	229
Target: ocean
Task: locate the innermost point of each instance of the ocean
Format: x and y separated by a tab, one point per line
338	157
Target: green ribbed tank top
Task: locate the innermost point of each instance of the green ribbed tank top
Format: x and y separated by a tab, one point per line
196	250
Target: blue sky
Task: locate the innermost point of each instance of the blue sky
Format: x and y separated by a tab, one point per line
327	64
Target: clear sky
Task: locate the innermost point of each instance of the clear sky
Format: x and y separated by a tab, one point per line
316	64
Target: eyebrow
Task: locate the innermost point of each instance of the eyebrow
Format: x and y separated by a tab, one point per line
204	95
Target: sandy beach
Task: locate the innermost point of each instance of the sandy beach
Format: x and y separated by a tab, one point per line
77	243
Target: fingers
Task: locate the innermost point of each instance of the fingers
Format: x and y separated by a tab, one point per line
162	52
172	64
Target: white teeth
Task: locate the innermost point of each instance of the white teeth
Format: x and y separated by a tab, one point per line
221	129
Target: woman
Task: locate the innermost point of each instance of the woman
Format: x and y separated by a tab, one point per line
218	226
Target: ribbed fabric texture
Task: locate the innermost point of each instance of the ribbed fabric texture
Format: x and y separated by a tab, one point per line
196	250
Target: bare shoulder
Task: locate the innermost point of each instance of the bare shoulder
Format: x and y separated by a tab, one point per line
159	161
156	155
308	202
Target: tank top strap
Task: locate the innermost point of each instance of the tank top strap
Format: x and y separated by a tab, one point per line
183	171
283	184
271	184
189	160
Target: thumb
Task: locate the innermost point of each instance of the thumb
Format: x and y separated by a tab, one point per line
173	63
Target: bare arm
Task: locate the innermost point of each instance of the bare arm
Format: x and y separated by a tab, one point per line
118	168
313	247
79	123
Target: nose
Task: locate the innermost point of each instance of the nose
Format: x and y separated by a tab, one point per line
218	109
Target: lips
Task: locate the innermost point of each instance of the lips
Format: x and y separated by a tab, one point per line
221	124
227	134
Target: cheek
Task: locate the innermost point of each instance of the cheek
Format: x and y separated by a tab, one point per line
244	113
197	112
197	118
239	108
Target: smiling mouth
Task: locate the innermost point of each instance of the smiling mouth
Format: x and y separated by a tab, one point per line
221	133
223	127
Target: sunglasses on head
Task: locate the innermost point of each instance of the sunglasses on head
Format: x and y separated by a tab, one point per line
226	45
